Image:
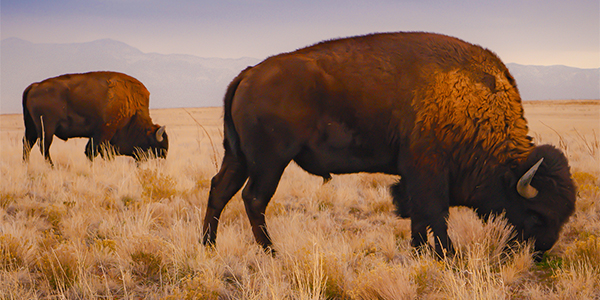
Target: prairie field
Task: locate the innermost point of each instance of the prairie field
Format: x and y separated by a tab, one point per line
113	229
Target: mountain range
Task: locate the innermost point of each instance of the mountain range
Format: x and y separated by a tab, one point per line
189	81
556	82
173	80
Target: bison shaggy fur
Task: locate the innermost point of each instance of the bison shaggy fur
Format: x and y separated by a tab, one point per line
444	114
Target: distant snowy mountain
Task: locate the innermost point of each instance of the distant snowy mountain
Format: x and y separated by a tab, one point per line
556	82
173	80
190	81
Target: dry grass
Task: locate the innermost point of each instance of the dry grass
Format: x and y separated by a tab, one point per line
112	229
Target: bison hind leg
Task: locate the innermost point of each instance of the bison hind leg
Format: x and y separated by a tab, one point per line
401	199
262	183
224	185
31	134
28	141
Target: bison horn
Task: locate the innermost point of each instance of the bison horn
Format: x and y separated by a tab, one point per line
159	133
523	186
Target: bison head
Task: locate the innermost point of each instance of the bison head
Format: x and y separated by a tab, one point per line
542	196
537	197
159	142
154	143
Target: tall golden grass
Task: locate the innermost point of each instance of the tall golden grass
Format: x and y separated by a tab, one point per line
113	229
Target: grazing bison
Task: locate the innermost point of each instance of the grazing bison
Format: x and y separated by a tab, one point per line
107	107
443	114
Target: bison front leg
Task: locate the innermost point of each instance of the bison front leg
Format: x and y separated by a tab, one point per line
224	185
261	186
439	228
98	145
48	126
91	149
99	142
400	198
429	209
437	223
45	148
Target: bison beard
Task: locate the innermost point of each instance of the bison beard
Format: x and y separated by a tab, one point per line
443	114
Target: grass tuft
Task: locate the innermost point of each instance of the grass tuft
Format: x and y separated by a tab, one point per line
156	185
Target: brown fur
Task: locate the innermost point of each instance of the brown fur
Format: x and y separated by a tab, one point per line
108	107
457	110
444	114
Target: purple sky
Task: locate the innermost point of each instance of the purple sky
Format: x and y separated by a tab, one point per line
535	32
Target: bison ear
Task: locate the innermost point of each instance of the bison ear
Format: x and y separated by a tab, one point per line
524	187
159	133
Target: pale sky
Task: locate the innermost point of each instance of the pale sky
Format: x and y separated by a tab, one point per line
532	32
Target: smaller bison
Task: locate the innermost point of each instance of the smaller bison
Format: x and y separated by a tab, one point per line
109	108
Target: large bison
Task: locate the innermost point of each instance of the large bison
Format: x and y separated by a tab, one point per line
443	114
107	107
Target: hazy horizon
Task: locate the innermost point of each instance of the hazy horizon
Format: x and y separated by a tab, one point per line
193	81
524	32
211	57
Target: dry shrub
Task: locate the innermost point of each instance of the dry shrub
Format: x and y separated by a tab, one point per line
146	258
59	265
587	184
588	191
156	185
338	271
147	266
53	214
308	277
200	286
516	269
15	253
18	284
426	274
105	245
104	270
478	281
585	250
325	197
6	199
50	239
385	282
473	237
578	280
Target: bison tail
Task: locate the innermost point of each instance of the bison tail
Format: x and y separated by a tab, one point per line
232	139
31	134
25	93
26	115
